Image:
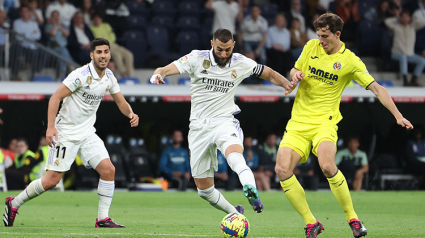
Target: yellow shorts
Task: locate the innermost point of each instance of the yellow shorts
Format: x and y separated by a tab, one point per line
302	136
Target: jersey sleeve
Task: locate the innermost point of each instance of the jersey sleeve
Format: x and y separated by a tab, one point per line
72	81
252	68
185	63
360	73
302	59
115	87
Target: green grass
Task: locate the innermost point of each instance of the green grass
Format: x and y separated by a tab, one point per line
184	214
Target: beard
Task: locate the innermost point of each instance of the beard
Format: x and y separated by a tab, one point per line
97	64
220	61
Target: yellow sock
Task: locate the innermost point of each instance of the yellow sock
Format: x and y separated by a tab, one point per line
339	188
296	195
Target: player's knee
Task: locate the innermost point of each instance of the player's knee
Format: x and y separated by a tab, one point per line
206	193
108	171
282	170
328	169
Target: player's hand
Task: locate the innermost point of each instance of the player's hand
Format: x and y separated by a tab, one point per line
134	120
157	79
405	123
298	76
51	135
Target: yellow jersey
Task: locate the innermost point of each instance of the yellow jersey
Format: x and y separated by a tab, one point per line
319	93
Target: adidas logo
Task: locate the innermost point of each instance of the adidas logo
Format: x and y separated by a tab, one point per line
234	134
204	72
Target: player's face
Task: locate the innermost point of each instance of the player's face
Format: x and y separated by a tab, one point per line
328	40
101	56
222	51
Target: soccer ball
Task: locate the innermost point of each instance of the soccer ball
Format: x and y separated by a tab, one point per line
234	225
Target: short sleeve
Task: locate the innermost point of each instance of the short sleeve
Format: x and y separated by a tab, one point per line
360	73
364	159
251	67
338	158
115	87
72	81
302	59
185	63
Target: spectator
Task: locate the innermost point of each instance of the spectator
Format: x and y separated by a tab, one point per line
36	14
268	152
404	45
295	12
348	11
174	163
17	176
298	39
311	31
88	12
79	39
66	11
419	13
278	44
353	163
11	4
385	10
226	14
251	157
29	29
123	58
245	8
41	155
306	175
221	176
4	25
314	7
254	29
116	13
58	40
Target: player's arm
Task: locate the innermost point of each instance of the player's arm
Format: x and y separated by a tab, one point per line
208	4
126	109
386	100
62	92
276	78
163	72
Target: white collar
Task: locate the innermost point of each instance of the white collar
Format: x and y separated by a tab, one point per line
94	73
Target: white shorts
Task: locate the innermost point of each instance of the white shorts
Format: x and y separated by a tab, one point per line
91	150
208	135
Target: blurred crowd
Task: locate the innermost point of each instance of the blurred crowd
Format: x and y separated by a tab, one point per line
147	33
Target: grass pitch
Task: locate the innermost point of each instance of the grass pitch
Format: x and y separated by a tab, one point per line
184	214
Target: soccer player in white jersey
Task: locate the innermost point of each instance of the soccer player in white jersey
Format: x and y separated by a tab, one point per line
72	132
215	74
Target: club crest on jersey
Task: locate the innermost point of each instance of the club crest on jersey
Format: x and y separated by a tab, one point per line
57	162
337	66
206	64
77	81
184	59
89	80
234	74
107	89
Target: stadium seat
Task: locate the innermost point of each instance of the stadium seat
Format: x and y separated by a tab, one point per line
135	42
166	22
165	8
158	41
385	83
267	82
129	80
164	79
137	23
187	42
43	79
188	24
189	8
184	81
369	38
137	8
269	10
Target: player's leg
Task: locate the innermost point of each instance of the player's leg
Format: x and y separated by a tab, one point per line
208	192
94	154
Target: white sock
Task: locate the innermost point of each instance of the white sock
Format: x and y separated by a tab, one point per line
34	189
216	199
105	192
237	163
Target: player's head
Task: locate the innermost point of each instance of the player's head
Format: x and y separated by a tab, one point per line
328	27
177	137
223	45
100	53
21	146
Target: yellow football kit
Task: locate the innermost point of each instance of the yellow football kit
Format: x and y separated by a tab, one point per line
315	113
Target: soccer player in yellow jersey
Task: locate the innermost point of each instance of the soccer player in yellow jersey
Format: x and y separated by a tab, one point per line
325	67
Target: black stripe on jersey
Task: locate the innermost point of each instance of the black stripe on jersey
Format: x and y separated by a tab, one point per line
258	70
369	85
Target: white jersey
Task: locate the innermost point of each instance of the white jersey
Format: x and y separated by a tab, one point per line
78	113
212	88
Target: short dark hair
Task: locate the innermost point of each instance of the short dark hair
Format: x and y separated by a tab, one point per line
330	21
223	35
97	42
97	14
21	139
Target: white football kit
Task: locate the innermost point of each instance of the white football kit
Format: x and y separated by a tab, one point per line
76	118
212	91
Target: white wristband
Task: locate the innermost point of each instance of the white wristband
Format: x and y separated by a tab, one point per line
155	76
